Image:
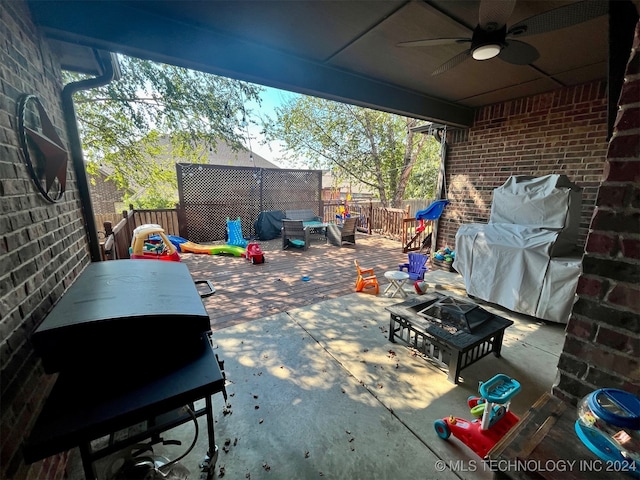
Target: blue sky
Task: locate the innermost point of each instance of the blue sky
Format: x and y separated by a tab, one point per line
271	98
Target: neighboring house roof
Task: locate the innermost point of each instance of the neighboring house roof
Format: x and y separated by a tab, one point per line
225	155
104	193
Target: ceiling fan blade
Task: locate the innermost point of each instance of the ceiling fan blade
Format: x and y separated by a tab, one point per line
495	13
558	18
434	42
452	62
518	53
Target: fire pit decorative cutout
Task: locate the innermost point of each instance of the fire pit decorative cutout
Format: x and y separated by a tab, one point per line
460	314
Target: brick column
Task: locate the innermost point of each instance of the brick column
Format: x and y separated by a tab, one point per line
602	345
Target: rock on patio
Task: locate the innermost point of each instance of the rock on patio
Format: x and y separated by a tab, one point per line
246	292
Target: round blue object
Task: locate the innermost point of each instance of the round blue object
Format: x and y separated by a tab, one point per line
442	429
616	407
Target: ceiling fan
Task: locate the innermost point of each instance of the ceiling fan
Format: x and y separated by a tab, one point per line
491	37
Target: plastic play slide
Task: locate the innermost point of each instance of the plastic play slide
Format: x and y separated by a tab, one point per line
184	245
212	249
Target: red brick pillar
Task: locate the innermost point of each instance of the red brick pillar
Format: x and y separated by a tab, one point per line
602	345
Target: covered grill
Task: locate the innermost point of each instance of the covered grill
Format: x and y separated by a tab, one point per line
131	342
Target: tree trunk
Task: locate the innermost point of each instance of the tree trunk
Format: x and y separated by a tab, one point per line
411	152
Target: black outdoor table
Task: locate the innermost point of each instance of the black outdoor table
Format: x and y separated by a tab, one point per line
450	348
131	342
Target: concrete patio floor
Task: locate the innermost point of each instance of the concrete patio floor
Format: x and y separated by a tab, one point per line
318	391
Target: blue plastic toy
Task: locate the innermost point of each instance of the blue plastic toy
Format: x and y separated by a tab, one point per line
234	233
432	212
609	425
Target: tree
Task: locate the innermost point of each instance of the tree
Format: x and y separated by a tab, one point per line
378	149
136	127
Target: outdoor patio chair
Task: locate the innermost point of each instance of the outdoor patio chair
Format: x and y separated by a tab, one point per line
416	266
345	233
294	233
366	279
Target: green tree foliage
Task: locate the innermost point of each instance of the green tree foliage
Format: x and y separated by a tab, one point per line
135	128
375	148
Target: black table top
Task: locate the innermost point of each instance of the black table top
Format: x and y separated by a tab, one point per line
85	407
458	339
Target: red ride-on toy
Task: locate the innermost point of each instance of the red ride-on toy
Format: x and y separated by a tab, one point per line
254	253
493	417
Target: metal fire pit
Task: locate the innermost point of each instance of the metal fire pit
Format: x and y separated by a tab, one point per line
453	333
462	315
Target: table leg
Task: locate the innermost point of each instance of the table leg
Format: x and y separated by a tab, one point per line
87	463
454	367
497	343
393	288
209	463
397	285
392	326
403	294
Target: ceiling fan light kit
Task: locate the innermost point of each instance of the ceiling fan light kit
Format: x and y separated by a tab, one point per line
485	52
492	38
487	42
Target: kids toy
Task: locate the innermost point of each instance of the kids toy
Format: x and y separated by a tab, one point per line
366	279
421	286
492	406
445	255
609	425
234	233
431	213
145	244
254	253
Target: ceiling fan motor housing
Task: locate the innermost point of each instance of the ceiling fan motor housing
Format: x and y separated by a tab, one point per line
486	39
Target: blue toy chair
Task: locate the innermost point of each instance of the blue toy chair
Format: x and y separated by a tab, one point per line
433	211
416	267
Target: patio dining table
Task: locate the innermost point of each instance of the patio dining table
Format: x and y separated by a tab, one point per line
316	226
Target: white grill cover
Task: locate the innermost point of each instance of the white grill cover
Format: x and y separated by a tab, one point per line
514	260
552	202
510	265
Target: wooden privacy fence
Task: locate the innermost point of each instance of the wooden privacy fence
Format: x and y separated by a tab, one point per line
380	220
118	238
395	223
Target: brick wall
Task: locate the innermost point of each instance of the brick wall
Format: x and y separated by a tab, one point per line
562	132
602	345
43	246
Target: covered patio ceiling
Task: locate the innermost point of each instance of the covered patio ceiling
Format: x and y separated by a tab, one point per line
341	50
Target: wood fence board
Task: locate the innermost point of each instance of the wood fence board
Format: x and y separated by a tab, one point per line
393	223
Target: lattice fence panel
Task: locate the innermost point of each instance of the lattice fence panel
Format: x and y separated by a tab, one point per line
209	194
292	190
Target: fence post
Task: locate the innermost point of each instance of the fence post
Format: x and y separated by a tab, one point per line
370	222
182	221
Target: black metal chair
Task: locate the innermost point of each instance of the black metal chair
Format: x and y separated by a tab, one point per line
295	233
345	233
